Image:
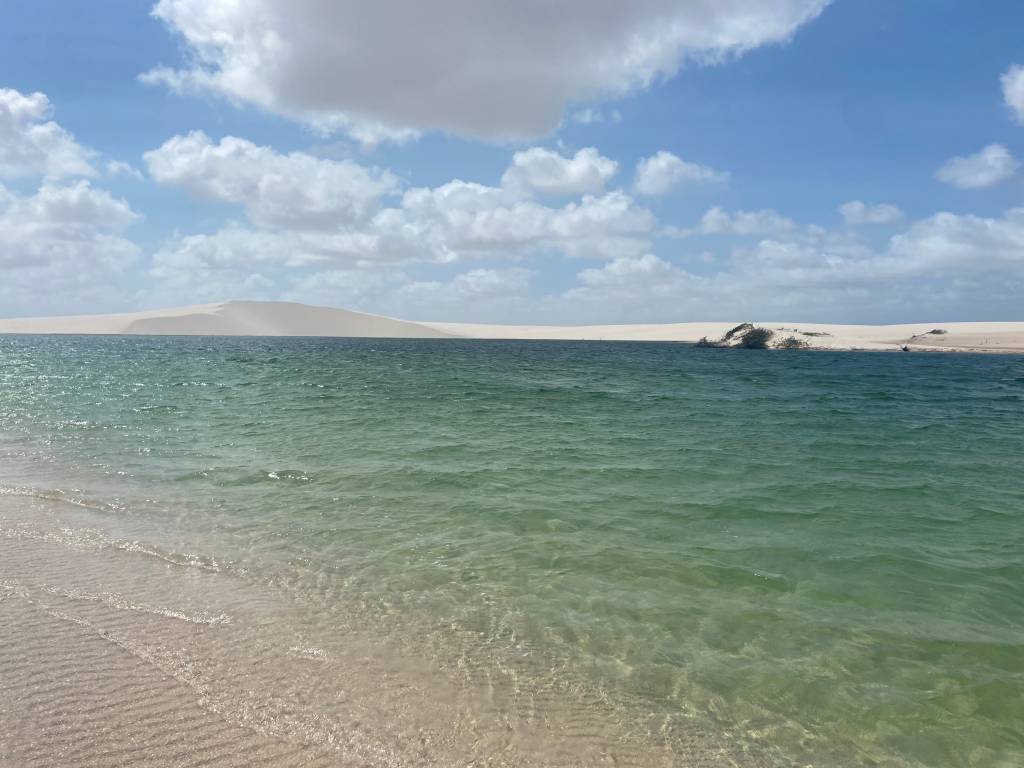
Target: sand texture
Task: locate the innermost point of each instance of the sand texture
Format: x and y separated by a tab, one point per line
115	653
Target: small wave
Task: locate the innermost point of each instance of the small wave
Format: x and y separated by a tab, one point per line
188	560
88	539
156	409
115	600
289	474
237	476
58	495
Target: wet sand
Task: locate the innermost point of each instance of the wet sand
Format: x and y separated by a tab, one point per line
114	653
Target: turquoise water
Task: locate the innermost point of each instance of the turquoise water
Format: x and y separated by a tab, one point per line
820	555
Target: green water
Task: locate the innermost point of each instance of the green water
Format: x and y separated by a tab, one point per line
821	554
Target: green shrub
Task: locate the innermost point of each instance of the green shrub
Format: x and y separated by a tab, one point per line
706	342
757	338
741	328
792	342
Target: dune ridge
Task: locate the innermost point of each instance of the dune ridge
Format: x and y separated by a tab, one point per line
231	318
268	318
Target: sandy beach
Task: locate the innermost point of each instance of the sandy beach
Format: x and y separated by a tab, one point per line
116	653
253	318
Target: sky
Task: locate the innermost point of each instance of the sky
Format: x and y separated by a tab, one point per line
529	162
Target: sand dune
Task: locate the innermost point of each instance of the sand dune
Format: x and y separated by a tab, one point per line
959	337
233	318
261	318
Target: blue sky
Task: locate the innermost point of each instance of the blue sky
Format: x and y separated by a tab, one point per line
479	161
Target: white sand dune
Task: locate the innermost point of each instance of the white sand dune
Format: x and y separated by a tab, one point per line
233	318
263	318
960	337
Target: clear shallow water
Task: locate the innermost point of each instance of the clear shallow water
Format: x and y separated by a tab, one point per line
819	555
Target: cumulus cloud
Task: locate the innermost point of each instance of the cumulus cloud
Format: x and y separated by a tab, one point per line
492	69
549	173
718	221
469	285
33	145
856	212
356	288
115	168
663	172
947	260
294	190
477	295
627	269
67	239
1013	91
962	242
59	223
991	166
462	220
311	212
458	221
642	288
62	246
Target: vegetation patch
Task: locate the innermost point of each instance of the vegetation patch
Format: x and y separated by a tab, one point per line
706	342
739	330
757	338
743	336
792	342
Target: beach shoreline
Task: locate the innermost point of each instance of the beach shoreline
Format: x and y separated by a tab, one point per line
115	649
251	318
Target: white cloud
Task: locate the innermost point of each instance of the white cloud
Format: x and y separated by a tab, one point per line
234	247
968	243
33	145
992	165
492	69
66	224
946	263
62	248
116	168
856	212
718	221
468	285
460	221
351	288
627	269
631	289
456	222
661	173
549	173
591	116
308	211
295	190
1013	91
477	295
